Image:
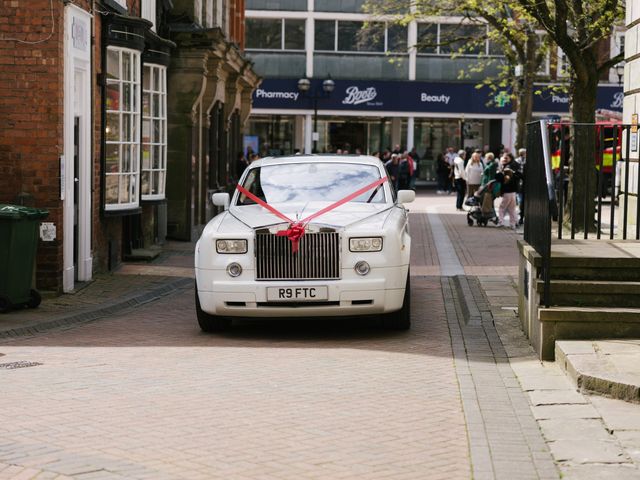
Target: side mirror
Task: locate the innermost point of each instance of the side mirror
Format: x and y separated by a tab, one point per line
406	196
221	200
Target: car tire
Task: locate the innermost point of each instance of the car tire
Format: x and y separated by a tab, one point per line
400	320
210	323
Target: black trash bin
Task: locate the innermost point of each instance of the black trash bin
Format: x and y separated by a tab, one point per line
18	242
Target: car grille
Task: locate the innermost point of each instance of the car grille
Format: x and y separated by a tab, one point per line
318	257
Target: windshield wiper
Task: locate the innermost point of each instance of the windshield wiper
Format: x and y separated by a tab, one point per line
373	194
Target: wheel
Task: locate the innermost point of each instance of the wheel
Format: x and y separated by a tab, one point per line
5	304
400	320
34	299
210	323
483	223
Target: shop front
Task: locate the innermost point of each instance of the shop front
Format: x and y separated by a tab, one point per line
371	116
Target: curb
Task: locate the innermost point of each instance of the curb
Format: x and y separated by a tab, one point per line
101	311
588	371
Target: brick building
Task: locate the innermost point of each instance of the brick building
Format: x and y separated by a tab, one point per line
116	115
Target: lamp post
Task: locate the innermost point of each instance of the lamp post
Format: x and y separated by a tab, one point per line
620	72
304	86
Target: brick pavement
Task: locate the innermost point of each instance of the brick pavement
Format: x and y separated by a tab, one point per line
143	394
146	395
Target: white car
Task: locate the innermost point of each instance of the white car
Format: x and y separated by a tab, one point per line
306	236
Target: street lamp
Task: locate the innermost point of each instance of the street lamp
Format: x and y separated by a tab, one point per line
304	86
620	72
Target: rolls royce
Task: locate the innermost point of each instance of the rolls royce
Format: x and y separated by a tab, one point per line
303	236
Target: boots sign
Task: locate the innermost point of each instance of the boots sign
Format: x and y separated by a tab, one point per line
410	97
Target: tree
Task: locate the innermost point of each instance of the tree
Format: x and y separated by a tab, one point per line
578	27
509	26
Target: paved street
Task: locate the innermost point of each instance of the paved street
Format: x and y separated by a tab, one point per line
142	393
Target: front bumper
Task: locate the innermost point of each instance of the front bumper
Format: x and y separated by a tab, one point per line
381	291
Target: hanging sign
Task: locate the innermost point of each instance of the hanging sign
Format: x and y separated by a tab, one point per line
634	133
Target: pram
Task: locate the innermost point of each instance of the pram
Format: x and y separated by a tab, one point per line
482	211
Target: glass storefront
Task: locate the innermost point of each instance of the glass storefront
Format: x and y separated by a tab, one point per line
275	134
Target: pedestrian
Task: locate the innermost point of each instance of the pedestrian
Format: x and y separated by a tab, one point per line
490	168
473	173
459	178
393	169
489	174
443	171
508	176
522	161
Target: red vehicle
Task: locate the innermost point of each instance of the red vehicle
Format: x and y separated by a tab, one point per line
608	135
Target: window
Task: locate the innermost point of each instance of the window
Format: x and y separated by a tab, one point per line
122	133
396	38
149	12
275	34
464	39
325	35
197	11
154	132
427	38
545	66
454	38
563	65
294	34
354	36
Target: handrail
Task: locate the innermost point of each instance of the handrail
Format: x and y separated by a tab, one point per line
547	172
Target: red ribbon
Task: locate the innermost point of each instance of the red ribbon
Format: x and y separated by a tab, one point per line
296	229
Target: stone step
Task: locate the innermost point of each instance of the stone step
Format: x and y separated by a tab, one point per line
602	315
590	259
606	367
582	323
599	270
592	293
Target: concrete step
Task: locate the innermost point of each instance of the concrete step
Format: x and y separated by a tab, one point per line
582	323
599	270
603	315
593	293
605	367
590	259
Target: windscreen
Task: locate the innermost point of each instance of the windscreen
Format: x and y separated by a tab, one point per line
312	182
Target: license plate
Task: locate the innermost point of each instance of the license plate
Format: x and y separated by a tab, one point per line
297	294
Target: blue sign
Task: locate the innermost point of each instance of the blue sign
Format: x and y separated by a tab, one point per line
419	97
363	95
609	97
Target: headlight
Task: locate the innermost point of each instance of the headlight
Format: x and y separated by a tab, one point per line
231	246
370	244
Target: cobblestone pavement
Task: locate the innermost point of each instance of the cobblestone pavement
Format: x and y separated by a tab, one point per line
142	393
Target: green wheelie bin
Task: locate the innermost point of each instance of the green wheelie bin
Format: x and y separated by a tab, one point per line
18	243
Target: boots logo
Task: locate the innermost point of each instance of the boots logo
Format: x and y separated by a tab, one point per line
618	98
356	96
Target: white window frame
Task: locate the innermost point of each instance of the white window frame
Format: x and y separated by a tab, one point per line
617	42
545	67
561	65
122	3
197	11
157	96
131	140
219	13
149	12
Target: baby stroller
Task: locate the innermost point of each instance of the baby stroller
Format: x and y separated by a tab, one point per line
481	203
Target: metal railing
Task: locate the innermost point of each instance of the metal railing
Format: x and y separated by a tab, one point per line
597	208
540	200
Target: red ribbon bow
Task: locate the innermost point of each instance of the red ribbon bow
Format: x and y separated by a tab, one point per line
294	233
296	229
